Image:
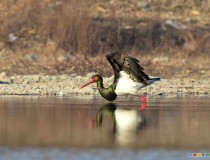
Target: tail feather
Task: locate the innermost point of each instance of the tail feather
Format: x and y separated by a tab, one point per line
152	80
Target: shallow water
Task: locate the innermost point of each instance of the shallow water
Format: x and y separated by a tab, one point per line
33	127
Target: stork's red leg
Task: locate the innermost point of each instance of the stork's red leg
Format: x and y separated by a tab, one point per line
143	99
144	103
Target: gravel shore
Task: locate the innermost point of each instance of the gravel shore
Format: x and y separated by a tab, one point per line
69	84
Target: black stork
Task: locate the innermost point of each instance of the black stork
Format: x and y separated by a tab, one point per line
129	77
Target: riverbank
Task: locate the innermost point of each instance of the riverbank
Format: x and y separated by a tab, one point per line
64	85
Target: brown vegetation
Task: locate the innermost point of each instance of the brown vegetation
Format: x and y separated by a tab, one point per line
68	36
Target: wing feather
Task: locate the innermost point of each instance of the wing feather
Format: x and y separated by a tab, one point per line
113	59
128	64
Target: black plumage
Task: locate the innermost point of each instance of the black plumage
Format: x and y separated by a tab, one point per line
128	64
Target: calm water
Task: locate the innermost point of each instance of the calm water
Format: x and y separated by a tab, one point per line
89	128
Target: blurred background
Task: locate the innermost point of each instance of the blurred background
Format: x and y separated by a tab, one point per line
170	38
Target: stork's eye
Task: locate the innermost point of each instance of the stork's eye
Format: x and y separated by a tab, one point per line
95	77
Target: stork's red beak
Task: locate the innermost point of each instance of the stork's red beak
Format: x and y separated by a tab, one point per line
91	81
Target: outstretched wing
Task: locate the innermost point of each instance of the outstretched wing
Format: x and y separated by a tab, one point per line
128	64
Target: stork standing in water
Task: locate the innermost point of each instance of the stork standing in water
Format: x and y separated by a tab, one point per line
129	78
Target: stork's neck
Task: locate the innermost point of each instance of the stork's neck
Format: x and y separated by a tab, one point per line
108	93
100	84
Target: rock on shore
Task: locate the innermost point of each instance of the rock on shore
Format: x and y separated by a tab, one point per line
69	84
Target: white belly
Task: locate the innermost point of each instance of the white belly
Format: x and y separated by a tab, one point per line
126	85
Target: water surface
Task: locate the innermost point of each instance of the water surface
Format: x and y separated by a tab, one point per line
33	127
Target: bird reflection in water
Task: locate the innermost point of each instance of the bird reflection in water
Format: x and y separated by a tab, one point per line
125	123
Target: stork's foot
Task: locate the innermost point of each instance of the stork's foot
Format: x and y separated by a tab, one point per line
143	99
143	106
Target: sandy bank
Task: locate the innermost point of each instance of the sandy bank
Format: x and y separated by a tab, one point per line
69	84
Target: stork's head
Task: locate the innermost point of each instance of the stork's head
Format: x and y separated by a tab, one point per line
95	78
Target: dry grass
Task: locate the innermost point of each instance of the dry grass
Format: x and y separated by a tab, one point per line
66	37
